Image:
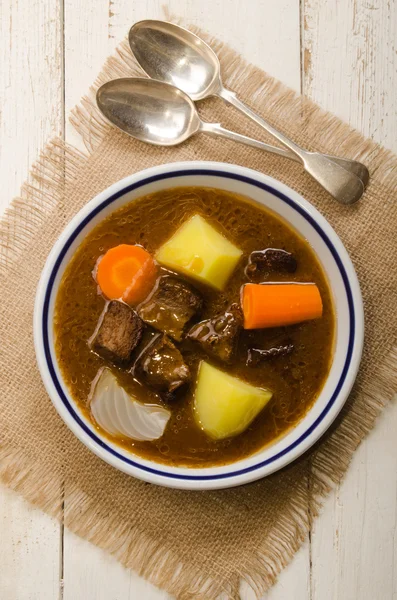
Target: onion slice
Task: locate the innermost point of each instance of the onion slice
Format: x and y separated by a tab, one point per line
121	415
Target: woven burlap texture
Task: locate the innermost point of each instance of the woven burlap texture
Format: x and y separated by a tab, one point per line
193	544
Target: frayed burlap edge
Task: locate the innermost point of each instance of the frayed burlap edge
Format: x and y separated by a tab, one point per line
43	193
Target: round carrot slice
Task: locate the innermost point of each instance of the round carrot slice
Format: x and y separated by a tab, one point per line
126	273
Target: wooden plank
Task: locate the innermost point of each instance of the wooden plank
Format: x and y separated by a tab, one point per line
88	571
87	45
92	574
31	88
31	100
265	32
294	581
350	63
258	30
354	542
350	68
29	551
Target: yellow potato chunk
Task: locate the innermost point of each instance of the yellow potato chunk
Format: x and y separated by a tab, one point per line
201	252
224	406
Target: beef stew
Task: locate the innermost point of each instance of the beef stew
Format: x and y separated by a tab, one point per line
202	320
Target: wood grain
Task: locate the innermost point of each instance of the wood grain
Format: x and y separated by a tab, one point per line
31	111
266	32
349	63
31	87
30	551
350	68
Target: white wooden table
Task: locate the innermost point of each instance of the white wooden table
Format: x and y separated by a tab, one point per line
341	53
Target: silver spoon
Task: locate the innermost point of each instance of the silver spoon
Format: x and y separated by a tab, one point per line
173	54
161	114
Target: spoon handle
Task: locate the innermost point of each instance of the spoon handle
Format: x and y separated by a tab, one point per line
343	185
233	99
216	129
346	163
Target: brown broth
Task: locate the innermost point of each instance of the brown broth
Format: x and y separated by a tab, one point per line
295	380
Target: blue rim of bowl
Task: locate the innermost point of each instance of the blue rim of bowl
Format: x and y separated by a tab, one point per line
95	211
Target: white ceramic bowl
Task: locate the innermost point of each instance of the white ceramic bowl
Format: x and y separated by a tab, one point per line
336	264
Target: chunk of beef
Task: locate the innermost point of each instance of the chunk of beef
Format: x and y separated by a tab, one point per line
271	259
219	336
257	355
118	332
161	366
171	305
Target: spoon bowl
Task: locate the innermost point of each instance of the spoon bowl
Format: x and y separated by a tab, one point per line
149	110
175	55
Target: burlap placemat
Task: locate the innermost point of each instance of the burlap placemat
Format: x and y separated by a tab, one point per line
195	545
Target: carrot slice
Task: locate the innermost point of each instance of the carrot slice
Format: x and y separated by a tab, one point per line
278	304
127	273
